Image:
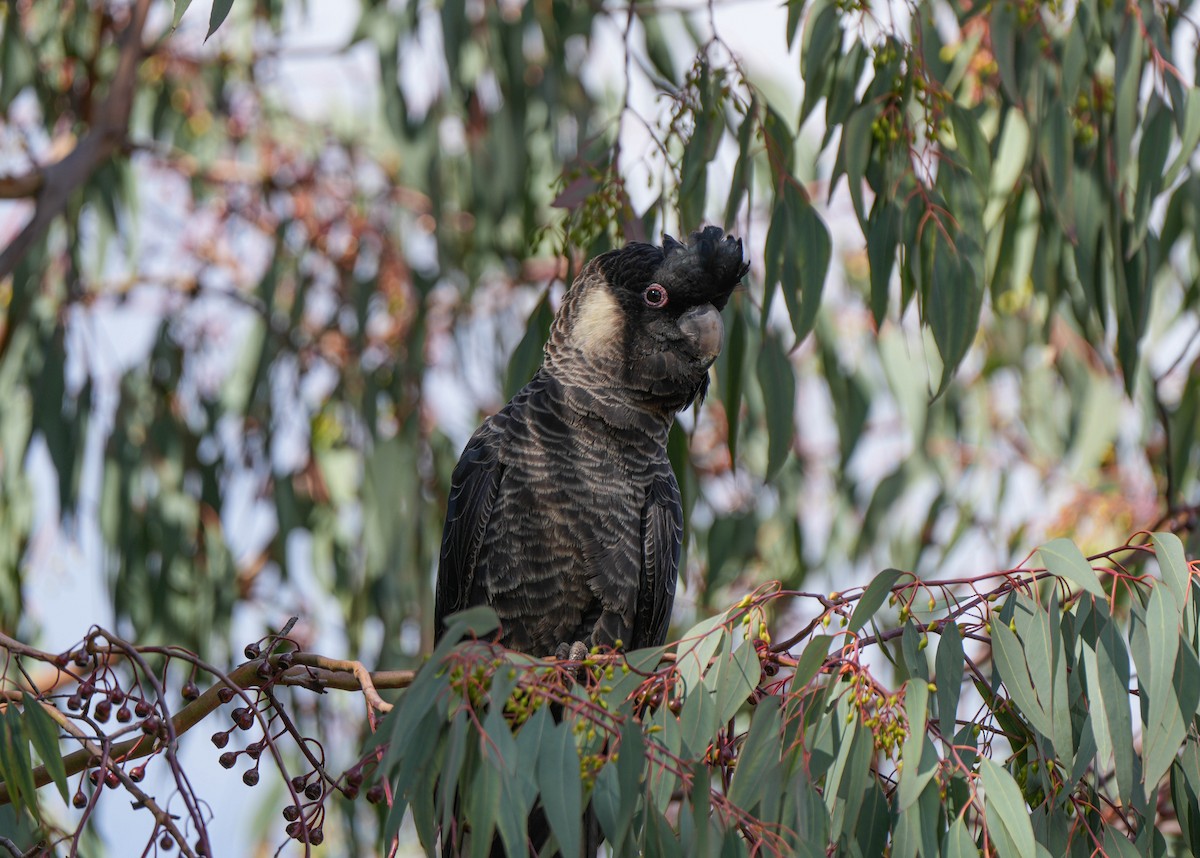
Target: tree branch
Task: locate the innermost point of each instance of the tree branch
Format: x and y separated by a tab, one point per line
25	185
311	671
58	181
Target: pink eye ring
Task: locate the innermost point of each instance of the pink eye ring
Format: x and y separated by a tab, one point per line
655	296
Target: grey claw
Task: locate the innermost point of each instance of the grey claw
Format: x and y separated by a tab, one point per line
577	651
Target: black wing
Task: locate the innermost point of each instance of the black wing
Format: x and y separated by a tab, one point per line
473	490
662	540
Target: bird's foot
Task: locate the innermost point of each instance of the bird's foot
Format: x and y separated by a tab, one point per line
577	651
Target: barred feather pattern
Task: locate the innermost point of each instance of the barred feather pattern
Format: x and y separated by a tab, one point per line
564	514
575	506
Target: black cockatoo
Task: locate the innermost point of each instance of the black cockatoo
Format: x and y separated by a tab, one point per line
564	514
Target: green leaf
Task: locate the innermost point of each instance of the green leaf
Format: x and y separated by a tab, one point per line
1163	619
630	766
1014	670
919	766
658	46
849	780
1172	564
415	717
743	170
958	842
810	661
1133	288
795	10
778	383
665	734
1184	421
1152	155
949	666
1056	146
820	45
843	88
1037	632
1012	154
515	772
696	648
561	789
43	733
698	720
873	597
60	422
1167	727
883	235
737	676
855	152
1117	845
217	17
954	304
698	806
527	356
843	779
16	73
850	395
16	766
181	6
806	263
1127	83
481	804
1188	115
1183	795
780	142
918	828
1074	58
916	662
1112	665
1063	559
970	142
797	253
1006	808
1003	32
1169	667
452	764
732	379
477	622
659	837
759	752
707	132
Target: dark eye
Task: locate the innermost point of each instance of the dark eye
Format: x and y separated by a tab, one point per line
655	296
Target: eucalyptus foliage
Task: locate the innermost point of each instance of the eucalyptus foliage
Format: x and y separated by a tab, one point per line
911	718
970	328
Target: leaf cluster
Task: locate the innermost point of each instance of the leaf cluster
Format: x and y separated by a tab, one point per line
986	715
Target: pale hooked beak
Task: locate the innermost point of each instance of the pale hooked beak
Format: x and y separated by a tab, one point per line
705	331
